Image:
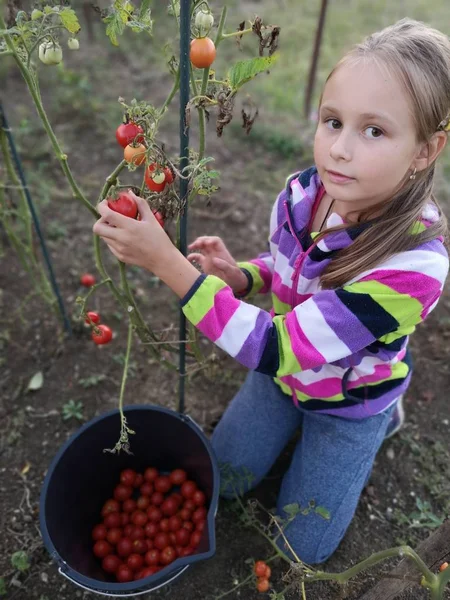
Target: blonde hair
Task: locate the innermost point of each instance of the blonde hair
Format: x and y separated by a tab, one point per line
420	57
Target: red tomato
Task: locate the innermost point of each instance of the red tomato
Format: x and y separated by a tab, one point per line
146	489
124	519
102	548
187	551
143	502
111	563
178	476
99	532
182	537
198	498
151	474
140	546
268	572
124	574
161	540
152	172
139	480
202	52
124	547
122	492
168	555
185	514
128	476
87	280
169	175
196	536
137	533
158	217
157	498
263	585
139	517
129	505
127	133
149	544
101	334
199	514
152	557
189	525
150	571
200	525
188	489
154	514
172	538
164	525
175	523
151	529
110	506
169	507
135	562
92	317
114	535
112	520
139	575
126	205
163	484
189	505
127	530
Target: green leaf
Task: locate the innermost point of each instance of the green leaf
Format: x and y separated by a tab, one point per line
245	70
69	20
117	19
36	382
20	561
292	509
323	512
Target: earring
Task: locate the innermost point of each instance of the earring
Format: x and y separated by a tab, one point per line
413	175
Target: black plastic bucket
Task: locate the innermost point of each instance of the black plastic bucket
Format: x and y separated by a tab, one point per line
82	477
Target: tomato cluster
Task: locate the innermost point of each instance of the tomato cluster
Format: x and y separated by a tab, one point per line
101	334
263	573
151	520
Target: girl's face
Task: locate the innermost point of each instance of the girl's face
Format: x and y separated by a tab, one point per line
365	142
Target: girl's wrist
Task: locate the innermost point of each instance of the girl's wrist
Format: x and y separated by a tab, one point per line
177	273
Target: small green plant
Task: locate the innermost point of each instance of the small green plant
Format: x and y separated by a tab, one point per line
422	518
92	380
20	561
72	409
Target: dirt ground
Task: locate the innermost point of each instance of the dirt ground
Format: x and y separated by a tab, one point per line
414	464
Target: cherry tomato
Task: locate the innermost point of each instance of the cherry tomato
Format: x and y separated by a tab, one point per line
151	529
169	507
189	505
268	572
124	519
114	535
102	548
182	537
185	514
151	474
139	517
87	280
263	585
188	489
112	520
155	178
152	557
128	477
124	547
111	563
92	317
122	492
204	21
139	480
175	523
260	568
139	575
127	133
149	544
135	562
154	514
139	546
198	498
189	525
161	540
178	476
172	538
143	502
187	551
124	574
158	217
169	175
150	571
127	530
137	533
443	566
199	514
196	536
126	205
146	489
129	505
110	506
99	532
157	498
200	526
135	154
168	555
101	334
202	52
164	525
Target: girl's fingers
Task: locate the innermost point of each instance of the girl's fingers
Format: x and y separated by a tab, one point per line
105	231
205	241
195	257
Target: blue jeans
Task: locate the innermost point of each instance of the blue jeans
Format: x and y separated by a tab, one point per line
330	465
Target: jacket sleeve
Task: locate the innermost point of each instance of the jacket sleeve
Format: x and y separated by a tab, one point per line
329	326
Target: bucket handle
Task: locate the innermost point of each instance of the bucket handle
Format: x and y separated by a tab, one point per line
109	594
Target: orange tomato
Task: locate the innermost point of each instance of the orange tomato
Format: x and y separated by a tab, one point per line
135	154
263	585
443	566
202	53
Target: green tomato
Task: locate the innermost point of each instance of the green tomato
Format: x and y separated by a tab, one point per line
36	14
204	21
50	53
73	44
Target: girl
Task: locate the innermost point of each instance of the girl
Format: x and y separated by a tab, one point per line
356	261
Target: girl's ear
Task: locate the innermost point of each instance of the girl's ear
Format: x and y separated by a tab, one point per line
430	151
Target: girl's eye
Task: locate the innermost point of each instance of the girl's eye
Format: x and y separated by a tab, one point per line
373	132
333	124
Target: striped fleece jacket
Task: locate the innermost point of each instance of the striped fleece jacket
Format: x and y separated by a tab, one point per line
341	351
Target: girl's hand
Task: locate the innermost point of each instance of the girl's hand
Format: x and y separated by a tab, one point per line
215	259
142	243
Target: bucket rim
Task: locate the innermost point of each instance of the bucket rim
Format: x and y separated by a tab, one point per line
161	578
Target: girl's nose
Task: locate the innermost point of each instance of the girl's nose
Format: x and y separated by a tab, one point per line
341	148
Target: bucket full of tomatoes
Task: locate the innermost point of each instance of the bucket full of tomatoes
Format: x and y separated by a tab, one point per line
126	524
